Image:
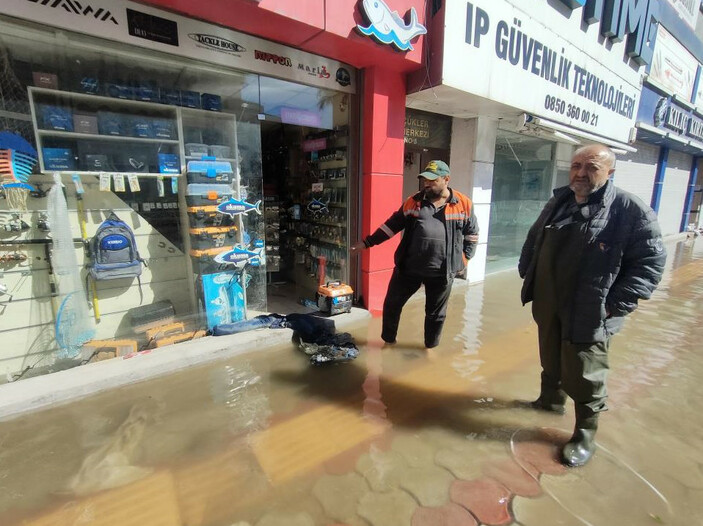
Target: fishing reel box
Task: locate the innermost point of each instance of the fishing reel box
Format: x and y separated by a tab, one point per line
334	297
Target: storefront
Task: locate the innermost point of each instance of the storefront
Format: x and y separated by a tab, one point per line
525	86
233	161
670	128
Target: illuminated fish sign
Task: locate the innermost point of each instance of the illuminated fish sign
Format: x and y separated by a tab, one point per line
388	27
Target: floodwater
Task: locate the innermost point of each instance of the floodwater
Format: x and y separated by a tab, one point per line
395	438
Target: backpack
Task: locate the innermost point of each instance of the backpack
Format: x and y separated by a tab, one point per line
113	251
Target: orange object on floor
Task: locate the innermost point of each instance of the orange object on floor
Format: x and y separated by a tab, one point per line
116	347
164	331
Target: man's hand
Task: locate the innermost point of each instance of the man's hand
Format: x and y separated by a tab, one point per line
357	247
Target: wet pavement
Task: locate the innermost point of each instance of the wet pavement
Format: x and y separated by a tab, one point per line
397	437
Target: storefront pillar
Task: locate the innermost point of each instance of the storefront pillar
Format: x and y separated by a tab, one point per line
382	132
659	178
472	161
689	194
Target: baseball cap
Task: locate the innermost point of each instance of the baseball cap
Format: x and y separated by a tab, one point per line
435	169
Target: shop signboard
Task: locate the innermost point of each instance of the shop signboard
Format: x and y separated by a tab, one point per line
632	20
687	10
427	130
662	112
673	66
542	62
149	27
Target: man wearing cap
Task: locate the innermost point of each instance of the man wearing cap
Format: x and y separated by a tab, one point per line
440	236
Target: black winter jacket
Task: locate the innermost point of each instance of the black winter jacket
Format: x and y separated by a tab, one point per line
622	262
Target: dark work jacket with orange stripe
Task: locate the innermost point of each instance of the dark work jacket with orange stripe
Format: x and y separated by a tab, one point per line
459	220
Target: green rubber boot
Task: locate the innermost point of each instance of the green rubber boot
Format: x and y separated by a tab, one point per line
579	450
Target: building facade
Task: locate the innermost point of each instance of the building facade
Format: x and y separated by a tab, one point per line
527	83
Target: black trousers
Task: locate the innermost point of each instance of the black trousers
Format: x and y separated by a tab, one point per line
400	289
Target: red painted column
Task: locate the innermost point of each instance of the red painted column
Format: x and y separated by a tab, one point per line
382	175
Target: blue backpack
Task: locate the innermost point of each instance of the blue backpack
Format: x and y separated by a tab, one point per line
113	251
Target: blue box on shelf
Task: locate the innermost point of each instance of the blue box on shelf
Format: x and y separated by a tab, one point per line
171	96
190	99
119	90
169	163
89	85
211	102
110	123
141	127
146	91
58	159
56	117
163	128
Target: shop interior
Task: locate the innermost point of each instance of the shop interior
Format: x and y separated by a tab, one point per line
166	145
305	211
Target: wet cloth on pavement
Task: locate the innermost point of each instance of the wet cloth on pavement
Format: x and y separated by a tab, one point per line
315	336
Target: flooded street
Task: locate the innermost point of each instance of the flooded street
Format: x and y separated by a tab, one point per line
396	438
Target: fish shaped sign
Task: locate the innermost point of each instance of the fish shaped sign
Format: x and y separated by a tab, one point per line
388	27
240	256
235	207
318	207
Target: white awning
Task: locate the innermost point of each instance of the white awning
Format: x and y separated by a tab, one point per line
573	133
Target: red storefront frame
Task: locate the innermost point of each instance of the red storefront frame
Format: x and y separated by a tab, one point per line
328	28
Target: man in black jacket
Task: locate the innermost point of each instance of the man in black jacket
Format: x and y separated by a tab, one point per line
441	233
592	254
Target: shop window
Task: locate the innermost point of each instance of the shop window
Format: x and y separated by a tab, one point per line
180	152
523	178
155	141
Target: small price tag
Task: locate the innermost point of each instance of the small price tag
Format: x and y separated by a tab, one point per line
118	179
160	186
105	180
133	182
78	184
317	187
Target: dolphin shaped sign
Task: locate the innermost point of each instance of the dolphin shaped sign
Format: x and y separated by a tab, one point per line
388	27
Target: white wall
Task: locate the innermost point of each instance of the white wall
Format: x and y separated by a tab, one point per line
635	172
473	155
678	170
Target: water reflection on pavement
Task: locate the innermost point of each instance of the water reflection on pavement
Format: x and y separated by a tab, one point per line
395	438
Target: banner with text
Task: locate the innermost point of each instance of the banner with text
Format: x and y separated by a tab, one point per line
148	27
673	66
499	52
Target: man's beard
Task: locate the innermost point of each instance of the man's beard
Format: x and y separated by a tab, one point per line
584	189
432	193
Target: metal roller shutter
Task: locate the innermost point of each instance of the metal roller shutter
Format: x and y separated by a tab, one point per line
674	192
635	171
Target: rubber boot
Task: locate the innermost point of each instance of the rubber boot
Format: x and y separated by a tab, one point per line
579	450
552	402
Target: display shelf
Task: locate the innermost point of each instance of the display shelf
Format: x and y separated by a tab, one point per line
97	174
197	158
140	106
92	136
196	112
